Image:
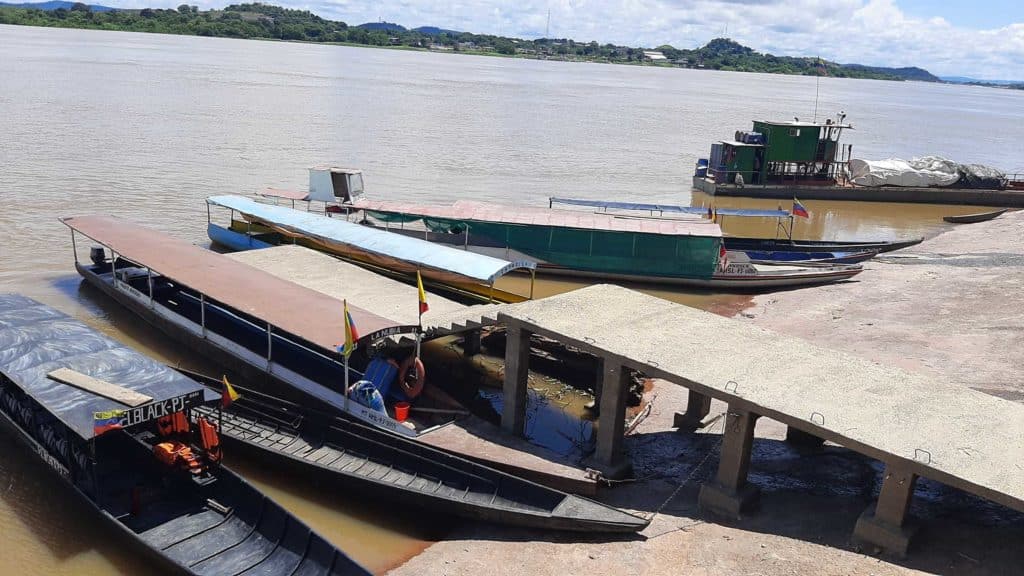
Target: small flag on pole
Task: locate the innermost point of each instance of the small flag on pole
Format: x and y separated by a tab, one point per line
799	210
423	295
351	334
107	421
228	394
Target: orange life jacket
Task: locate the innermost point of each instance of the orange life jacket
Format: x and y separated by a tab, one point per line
180	423
176	423
209	440
165	425
176	454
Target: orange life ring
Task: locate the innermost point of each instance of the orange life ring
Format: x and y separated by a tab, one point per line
414	388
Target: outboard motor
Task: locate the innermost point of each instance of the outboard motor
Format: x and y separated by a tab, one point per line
97	255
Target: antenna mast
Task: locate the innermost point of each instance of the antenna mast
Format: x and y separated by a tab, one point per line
547	29
817	81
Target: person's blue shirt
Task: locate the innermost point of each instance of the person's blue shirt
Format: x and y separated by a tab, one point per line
367	394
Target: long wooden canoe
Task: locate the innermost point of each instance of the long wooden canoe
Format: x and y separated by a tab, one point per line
972	218
383	465
201	520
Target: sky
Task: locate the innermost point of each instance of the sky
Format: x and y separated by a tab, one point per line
948	38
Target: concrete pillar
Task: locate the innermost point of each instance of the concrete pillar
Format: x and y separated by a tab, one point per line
798	437
729	494
517	368
471	343
883	526
698	406
609	457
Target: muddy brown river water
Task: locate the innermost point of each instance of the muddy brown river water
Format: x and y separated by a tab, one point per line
145	126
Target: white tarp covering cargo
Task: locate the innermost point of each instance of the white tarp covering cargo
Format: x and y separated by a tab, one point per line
919	172
924	172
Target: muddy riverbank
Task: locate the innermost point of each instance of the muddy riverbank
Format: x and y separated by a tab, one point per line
948	308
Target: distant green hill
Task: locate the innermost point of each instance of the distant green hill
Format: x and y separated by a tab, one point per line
435	31
909	73
725	54
55	5
257	20
383	26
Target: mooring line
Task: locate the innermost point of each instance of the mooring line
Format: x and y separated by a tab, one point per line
694	470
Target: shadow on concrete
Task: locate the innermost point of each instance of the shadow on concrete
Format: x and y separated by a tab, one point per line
816	495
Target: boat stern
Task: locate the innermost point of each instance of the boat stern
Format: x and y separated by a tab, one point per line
587	515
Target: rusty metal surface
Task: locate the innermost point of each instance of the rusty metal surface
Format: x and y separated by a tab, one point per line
308	314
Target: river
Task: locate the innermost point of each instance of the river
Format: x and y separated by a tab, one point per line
146	126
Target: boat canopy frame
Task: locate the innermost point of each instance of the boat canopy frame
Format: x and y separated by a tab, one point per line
385	328
440	261
782	216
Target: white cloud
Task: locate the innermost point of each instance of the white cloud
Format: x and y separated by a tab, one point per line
874	32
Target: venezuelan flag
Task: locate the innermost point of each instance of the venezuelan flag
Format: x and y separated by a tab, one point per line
799	210
351	334
106	421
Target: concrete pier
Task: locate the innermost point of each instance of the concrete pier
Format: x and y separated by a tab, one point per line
729	494
698	407
610	458
517	369
883	526
885	413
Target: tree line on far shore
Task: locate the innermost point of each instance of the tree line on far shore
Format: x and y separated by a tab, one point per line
274	22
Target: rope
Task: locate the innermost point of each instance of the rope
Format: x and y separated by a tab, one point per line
693	471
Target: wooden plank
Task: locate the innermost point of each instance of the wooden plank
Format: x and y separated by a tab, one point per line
99	387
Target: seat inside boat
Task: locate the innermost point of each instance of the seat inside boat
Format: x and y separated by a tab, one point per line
224	527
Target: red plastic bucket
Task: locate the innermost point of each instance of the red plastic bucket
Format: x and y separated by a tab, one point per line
401	411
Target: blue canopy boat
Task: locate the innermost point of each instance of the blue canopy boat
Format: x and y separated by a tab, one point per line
114	425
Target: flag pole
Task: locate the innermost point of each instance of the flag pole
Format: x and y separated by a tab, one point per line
419	309
346	382
346	351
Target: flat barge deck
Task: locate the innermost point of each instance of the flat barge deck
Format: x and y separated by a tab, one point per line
1009	198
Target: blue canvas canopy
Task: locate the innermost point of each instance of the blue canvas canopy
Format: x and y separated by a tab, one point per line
380	243
36	340
670	208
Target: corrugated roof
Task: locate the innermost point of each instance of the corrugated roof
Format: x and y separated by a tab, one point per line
468	211
307	314
36	339
468	265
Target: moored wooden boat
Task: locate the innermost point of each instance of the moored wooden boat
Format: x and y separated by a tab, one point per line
973	218
283	337
835	257
739	243
352	457
101	428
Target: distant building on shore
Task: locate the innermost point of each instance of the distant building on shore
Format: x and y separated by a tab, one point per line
654	55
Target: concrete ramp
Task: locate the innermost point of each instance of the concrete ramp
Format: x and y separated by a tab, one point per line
915	425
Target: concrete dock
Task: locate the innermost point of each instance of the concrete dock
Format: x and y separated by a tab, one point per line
902	419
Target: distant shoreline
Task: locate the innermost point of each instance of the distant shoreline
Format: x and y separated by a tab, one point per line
276	24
